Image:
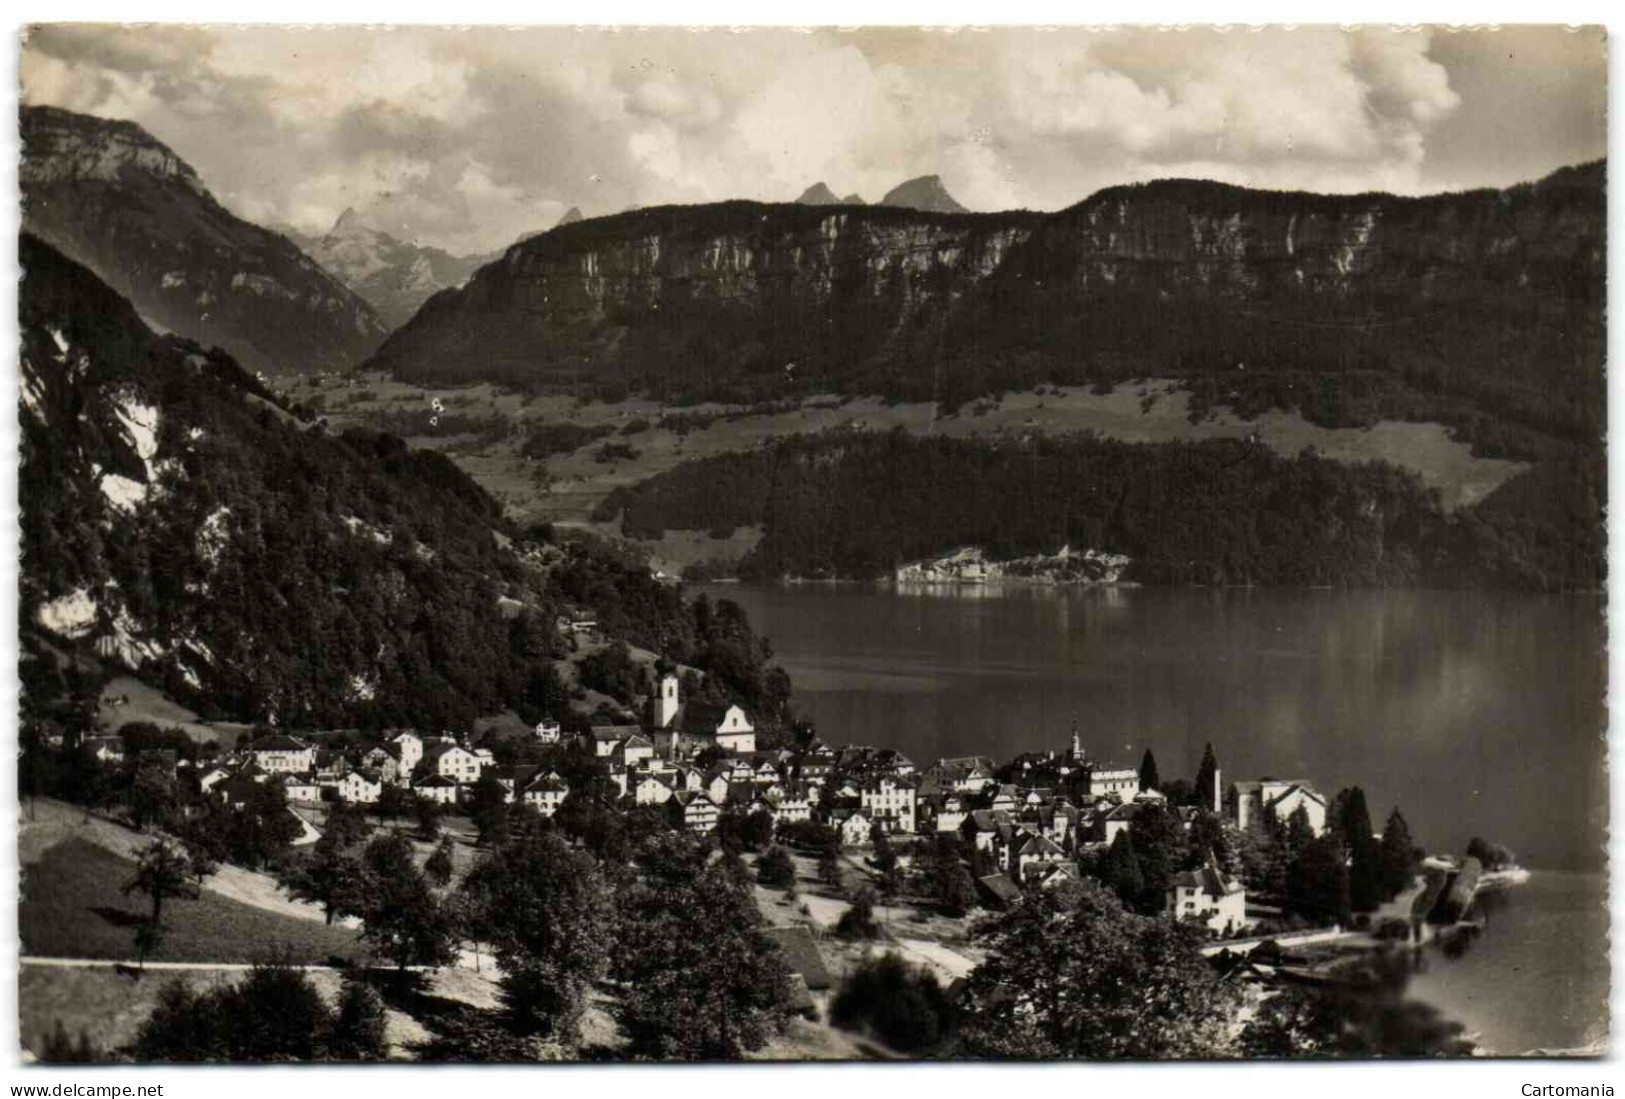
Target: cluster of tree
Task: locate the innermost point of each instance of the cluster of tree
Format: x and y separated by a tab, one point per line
612	671
859	504
547	440
275	1014
1326	878
902	1005
1070	973
427	423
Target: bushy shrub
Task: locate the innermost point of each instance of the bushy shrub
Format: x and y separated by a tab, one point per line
900	1004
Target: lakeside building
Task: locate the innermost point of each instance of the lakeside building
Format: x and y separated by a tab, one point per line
1246	803
1210	896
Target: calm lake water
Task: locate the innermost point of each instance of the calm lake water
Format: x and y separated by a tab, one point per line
1474	713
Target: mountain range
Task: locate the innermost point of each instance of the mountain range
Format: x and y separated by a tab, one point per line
1481	310
109	195
393	276
925	193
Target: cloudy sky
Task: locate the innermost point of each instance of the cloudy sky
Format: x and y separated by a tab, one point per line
469	138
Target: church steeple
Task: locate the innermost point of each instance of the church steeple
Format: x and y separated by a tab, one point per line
1076	754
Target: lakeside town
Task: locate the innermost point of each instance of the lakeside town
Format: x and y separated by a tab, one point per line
854	856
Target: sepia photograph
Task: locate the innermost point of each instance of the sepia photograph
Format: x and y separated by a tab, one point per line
899	543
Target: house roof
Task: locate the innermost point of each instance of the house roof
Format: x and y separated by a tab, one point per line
436	782
615	732
801	952
1001	887
1307	790
705	718
1041	845
277	742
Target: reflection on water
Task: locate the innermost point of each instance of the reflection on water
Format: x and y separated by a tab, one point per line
1475	713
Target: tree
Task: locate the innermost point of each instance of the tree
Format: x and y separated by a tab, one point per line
858	922
439	865
885	856
1318	882
162	871
776	868
152	797
958	892
902	1005
328	876
1364	851
701	982
1207	773
1070	973
358	1029
756	832
1149	779
401	920
1398	855
487	805
1120	869
829	869
542	905
428	812
1159	841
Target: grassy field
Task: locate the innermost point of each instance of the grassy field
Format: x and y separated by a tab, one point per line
125	699
566	488
72	906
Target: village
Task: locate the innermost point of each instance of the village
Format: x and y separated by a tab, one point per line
1031	822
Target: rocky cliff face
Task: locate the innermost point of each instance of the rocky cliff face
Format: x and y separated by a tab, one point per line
112	197
391	275
1496	289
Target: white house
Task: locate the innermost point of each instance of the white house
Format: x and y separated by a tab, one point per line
728	727
854	827
1209	895
651	791
890	803
438	788
1247	802
362	787
457	764
283	754
636	748
547	793
1121	781
302	788
411	750
548	732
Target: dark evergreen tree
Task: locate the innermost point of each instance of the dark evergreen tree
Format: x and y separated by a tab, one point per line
1398	855
1206	773
1120	869
1318	882
1149	779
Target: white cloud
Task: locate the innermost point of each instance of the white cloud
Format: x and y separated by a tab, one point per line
476	136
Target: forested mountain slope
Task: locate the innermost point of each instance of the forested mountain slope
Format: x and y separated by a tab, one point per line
859	504
179	521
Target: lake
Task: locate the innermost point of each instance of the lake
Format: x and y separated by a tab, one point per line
1475	713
